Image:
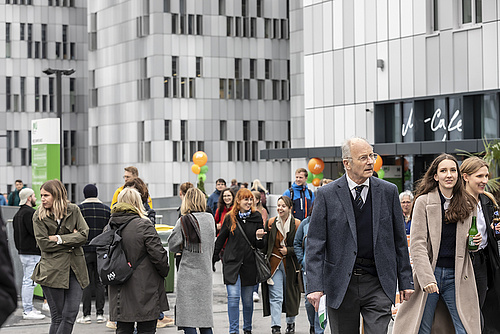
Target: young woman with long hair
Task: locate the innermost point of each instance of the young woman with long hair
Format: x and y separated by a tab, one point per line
238	263
281	293
486	261
226	200
194	233
60	232
442	268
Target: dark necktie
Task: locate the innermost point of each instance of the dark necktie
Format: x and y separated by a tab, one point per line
359	200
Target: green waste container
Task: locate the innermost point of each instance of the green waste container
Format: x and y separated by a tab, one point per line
164	232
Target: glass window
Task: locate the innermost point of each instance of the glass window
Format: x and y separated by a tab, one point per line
454	121
183	24
199	25
72	94
238	27
253	68
37	50
268	68
175	65
276	89
222	88
183	87
284	90
472	11
261	130
230	92
261	89
237	68
167	129
230	151
245	27
239	151
166	87
246	130
184	130
191	24
253	27
222	7
255	151
37	94
244	8
23	94
23	26
199	61
175	92
247	151
246	89
276	28
490	116
229	26
259	8
192	91
166	6
175	18
175	151
223	130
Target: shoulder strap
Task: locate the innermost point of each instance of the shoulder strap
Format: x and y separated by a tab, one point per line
310	193
119	229
245	236
291	193
297	223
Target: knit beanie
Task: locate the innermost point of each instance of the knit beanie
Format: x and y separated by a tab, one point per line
90	191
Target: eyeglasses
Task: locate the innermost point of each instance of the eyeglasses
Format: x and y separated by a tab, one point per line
364	158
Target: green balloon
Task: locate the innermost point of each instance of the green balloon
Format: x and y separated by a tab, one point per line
202	177
318	176
381	173
204	169
310	177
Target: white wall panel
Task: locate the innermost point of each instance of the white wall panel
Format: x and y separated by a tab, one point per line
446	17
320	129
460	50
407	18
359	22
338	23
446	62
370	21
489	10
338	77
419	17
382	75
338	119
317	28
349	119
330	127
432	61
348	23
475	60
394	19
360	122
327	26
328	86
419	58
359	74
309	128
349	76
371	72
382	20
394	69
308	30
309	83
318	79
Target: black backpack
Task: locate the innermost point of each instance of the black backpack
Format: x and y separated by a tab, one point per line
113	267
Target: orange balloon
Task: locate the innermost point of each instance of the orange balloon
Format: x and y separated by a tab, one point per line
200	158
316	182
378	164
196	169
316	165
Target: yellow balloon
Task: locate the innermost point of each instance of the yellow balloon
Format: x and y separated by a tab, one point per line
196	169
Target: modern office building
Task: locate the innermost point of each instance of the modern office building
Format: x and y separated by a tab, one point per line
169	78
416	78
36	35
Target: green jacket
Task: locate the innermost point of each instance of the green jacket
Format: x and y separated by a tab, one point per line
53	269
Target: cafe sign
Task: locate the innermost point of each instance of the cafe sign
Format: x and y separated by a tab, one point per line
436	123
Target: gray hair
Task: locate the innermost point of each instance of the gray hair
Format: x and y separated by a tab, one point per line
404	194
346	146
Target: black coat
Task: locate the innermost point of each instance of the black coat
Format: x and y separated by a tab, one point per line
24	236
143	296
8	295
238	258
492	302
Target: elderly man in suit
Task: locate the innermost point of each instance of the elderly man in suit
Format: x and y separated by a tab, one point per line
357	249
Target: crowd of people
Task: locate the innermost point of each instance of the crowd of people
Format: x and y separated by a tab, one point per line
349	241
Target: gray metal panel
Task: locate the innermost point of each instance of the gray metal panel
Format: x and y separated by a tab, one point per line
323	152
264	154
297	152
433	147
466	145
385	149
281	153
408	148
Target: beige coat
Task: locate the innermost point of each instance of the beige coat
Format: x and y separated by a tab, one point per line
424	249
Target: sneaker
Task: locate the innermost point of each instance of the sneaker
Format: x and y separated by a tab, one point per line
45	307
36	311
100	319
111	324
84	320
166	321
32	315
256	297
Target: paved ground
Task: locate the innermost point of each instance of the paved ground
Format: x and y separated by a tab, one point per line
16	325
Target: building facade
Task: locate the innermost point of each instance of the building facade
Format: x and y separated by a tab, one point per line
169	78
36	35
416	78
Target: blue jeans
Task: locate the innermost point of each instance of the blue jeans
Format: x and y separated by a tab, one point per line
277	296
29	262
234	293
64	305
192	330
312	315
445	278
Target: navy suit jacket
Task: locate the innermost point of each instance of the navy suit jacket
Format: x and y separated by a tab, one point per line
332	241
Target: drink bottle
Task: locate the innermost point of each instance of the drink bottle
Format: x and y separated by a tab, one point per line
496	219
472	232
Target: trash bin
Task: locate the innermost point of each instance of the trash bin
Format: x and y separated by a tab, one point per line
164	232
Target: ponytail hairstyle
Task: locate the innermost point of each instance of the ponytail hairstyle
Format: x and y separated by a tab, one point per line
233	214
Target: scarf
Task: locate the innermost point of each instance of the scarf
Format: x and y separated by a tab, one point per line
245	215
191	233
284	228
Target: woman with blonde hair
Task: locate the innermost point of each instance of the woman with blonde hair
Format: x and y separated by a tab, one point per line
238	263
60	232
141	298
445	298
257	185
194	234
486	260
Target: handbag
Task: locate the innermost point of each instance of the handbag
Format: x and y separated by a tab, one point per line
263	267
300	278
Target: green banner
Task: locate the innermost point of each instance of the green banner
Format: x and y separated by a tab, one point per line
45	153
